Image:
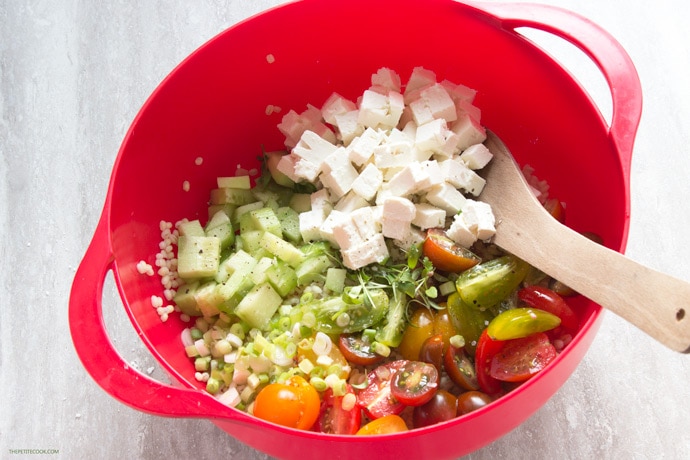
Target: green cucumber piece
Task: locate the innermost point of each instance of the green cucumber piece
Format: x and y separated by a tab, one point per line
207	299
197	256
282	249
236	182
335	279
363	311
191	228
272	160
266	219
300	202
282	277
185	298
221	227
392	331
233	196
313	269
289	224
259	305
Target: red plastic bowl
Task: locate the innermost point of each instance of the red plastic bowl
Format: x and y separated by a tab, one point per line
214	104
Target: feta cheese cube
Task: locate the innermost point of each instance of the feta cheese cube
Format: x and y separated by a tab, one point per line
476	156
293	125
366	223
420	78
368	252
345	233
350	202
348	126
459	92
331	221
336	105
368	182
469	130
428	216
385	80
361	149
310	223
337	173
460	232
436	137
414	236
459	175
479	218
446	197
397	216
313	148
286	165
416	177
377	109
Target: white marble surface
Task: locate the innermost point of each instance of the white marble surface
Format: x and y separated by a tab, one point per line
72	77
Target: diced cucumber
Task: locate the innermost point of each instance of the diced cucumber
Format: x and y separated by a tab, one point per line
197	256
282	277
394	325
233	196
266	196
272	159
221	227
265	219
228	209
282	249
250	241
335	279
244	219
185	298
289	224
317	248
300	202
259	305
191	228
313	269
238	261
207	299
240	182
258	275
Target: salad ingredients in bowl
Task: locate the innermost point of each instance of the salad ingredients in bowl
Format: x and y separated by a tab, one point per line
351	286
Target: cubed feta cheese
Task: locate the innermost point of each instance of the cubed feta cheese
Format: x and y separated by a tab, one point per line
420	78
446	197
337	173
459	175
428	216
368	252
385	80
436	137
286	165
383	110
361	149
350	202
459	92
479	218
460	232
368	182
345	233
397	215
476	156
293	125
416	177
366	223
348	126
310	223
414	236
313	148
336	105
326	229
469	130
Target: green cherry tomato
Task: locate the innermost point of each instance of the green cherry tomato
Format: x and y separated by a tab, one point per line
521	322
489	283
468	321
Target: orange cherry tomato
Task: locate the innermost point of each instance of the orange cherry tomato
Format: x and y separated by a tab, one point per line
387	424
444	325
446	254
420	328
295	403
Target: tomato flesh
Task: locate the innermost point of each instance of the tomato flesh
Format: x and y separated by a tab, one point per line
357	350
446	254
376	400
546	299
415	383
385	425
334	419
460	369
520	359
487	348
295	403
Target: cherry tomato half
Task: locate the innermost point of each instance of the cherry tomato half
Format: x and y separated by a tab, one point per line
546	299
446	254
336	419
521	322
487	348
415	383
294	404
432	352
376	400
460	369
441	407
385	425
520	359
357	350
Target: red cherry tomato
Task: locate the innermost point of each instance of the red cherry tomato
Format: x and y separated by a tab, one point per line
376	400
295	403
445	254
545	299
432	351
520	359
472	400
441	407
487	348
358	351
415	383
387	424
460	369
336	419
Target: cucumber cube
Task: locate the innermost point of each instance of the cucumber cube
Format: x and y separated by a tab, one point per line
191	228
282	249
289	224
207	299
312	269
259	305
258	275
301	202
335	279
282	277
238	261
221	227
185	298
197	256
240	182
233	196
265	219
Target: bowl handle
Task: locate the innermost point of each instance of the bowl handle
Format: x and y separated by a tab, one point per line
600	46
103	362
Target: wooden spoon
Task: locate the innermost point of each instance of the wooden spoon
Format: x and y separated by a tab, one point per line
656	303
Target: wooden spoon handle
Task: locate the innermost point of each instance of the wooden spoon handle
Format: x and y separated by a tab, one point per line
656	303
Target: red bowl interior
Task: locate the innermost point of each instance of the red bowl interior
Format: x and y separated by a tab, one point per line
214	106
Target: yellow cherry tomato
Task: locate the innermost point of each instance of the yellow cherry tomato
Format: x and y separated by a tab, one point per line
384	425
294	404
